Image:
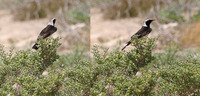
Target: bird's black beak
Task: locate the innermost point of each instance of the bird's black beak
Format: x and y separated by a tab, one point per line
54	21
152	20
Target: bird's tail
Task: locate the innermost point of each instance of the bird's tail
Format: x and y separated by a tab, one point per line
35	46
128	43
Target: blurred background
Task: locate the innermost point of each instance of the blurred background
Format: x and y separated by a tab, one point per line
110	23
21	21
113	22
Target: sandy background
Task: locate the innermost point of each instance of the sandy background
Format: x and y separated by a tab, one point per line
23	34
104	32
17	34
115	33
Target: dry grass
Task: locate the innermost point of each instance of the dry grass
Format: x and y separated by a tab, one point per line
125	8
164	10
191	36
36	9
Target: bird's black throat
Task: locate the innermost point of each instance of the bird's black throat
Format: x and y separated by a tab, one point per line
148	23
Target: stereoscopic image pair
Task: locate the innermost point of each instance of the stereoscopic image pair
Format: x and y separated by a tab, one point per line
99	48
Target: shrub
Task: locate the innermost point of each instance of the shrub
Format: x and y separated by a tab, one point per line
107	73
118	69
181	78
169	57
21	73
83	77
143	52
76	72
177	72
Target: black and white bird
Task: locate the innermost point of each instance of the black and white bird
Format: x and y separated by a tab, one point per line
145	30
46	32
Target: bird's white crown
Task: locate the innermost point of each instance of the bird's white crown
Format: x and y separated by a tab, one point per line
52	22
145	22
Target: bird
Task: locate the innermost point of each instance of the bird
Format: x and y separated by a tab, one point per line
46	32
144	31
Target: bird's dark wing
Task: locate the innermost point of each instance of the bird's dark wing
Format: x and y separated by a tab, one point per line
47	31
142	32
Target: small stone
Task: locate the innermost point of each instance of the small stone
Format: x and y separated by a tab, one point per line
139	74
45	73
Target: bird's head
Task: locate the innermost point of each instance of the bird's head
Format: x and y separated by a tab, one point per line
52	22
147	22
